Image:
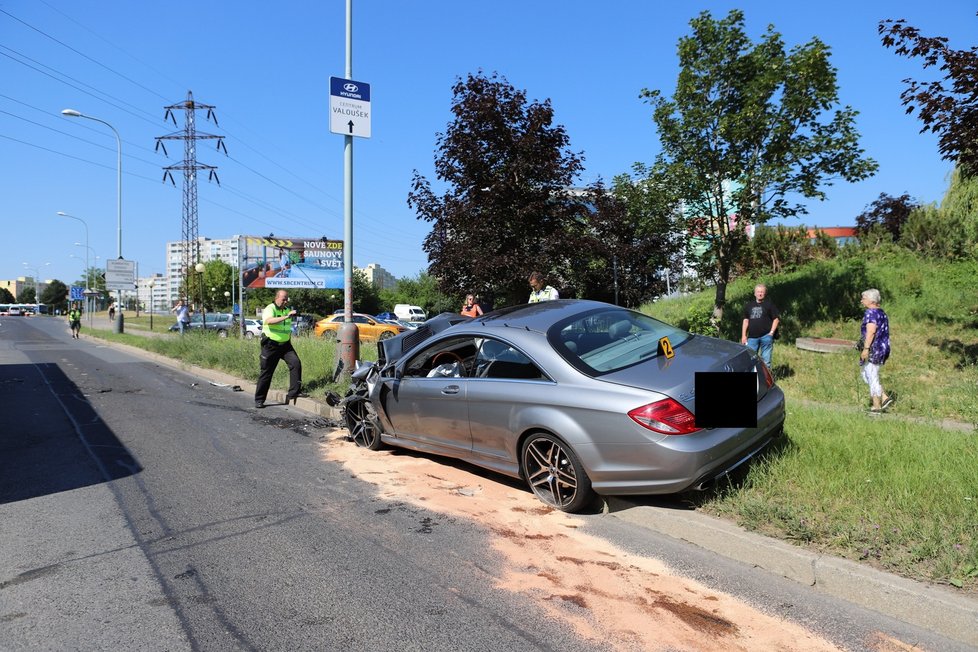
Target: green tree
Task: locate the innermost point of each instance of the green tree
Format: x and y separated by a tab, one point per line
888	212
26	295
6	296
505	168
745	133
623	242
948	107
55	295
423	291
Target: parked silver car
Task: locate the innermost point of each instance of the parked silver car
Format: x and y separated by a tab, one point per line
575	397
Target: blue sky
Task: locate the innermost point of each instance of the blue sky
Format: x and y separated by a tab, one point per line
266	68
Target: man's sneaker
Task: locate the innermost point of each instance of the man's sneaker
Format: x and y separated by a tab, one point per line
259	404
890	400
875	411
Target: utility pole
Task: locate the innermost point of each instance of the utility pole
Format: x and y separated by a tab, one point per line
190	233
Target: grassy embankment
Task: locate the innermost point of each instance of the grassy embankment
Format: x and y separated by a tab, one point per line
897	491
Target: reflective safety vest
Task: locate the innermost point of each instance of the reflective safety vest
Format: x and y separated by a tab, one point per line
281	331
74	315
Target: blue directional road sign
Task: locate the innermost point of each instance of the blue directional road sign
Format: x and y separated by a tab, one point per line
76	293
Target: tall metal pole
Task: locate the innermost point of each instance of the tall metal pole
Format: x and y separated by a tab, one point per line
349	334
118	142
88	276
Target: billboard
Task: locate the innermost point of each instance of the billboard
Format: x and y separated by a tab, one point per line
287	263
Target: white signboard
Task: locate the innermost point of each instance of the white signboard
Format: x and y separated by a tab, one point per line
120	274
349	107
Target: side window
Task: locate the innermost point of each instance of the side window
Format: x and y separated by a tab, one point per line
359	319
450	358
500	360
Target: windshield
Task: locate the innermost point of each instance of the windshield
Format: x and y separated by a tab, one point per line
609	339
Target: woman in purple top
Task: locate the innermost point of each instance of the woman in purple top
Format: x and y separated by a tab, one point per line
875	332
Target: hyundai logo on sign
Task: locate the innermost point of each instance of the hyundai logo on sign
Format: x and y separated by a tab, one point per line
349	88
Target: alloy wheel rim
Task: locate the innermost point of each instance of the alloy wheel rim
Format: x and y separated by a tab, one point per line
550	472
358	422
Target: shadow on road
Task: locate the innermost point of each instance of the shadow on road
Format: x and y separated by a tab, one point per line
51	438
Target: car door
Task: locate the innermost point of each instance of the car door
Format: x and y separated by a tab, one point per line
428	404
505	383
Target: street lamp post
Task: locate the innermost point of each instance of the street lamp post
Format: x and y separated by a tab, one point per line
87	275
152	283
71	113
199	268
227	297
37	297
87	248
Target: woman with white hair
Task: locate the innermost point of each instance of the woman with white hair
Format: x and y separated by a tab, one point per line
875	340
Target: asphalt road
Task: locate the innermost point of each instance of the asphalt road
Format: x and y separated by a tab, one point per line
143	508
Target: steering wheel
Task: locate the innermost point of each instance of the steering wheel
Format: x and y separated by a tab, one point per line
448	354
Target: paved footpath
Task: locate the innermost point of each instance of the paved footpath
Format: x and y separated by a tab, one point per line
936	608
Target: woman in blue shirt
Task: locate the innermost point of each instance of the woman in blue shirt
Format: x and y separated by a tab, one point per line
875	331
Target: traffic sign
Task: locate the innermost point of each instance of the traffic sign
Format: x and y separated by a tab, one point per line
76	293
349	107
120	274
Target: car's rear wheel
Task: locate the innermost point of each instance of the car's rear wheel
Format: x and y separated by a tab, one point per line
222	333
386	335
554	473
361	421
249	335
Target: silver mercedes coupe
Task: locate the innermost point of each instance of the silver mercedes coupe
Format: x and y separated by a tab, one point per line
575	397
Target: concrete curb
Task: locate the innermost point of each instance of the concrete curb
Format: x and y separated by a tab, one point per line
931	607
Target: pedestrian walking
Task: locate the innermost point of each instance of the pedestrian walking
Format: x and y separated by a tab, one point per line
540	290
183	315
875	349
74	321
761	320
276	344
470	308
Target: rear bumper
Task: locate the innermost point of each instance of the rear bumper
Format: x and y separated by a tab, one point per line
677	464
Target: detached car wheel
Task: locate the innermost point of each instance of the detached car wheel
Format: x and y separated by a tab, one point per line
555	474
361	421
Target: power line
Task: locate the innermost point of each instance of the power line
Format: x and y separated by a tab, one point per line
81	54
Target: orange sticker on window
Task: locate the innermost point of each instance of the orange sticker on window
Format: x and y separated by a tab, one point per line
665	347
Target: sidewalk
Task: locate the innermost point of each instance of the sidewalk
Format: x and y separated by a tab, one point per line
938	609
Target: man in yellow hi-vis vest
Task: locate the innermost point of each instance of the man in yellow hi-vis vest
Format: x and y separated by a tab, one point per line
276	345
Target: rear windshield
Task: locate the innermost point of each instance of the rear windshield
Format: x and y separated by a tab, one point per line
609	339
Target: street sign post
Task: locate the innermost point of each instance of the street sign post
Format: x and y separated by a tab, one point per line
120	274
349	107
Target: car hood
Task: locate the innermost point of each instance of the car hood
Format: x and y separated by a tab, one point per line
675	376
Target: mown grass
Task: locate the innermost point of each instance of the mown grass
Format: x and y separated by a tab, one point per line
892	491
238	357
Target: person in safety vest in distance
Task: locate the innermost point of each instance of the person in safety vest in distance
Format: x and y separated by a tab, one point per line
276	344
74	320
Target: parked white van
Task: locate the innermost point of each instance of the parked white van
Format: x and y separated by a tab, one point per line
409	312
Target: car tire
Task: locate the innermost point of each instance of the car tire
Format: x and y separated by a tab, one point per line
249	335
386	335
361	421
554	473
222	333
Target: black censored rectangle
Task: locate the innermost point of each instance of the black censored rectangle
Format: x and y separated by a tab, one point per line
726	399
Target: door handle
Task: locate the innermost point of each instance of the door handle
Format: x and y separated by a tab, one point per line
451	389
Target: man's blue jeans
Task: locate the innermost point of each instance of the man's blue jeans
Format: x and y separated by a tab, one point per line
763	345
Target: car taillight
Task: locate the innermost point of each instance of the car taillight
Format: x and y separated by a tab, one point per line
665	416
768	377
